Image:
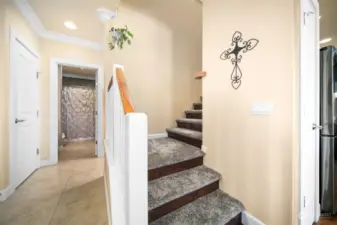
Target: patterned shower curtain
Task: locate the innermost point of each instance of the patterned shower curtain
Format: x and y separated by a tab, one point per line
78	108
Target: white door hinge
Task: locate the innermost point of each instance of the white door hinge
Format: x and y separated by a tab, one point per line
306	14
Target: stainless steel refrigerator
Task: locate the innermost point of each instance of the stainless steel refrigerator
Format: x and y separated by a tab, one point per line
328	132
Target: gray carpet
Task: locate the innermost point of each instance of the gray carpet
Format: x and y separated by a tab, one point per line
167	151
171	187
197	111
187	120
216	208
186	132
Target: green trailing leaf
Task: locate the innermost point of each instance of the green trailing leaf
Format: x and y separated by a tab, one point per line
119	37
129	33
111	46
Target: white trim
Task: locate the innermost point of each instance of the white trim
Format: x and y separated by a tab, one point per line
13	39
316	197
5	193
317	204
29	14
155	136
248	219
204	148
44	163
13	35
54	62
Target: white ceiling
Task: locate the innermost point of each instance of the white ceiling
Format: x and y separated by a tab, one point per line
328	21
53	14
47	17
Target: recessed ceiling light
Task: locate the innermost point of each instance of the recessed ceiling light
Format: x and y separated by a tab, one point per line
325	40
70	25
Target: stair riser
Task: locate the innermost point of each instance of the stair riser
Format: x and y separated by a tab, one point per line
197	106
188	140
191	126
175	168
193	115
179	202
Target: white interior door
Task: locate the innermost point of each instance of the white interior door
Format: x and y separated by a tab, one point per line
309	112
25	140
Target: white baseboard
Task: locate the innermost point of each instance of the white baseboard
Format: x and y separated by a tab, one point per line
5	193
204	148
248	219
44	163
155	136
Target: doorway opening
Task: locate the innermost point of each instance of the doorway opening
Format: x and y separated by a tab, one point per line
77	115
76	110
328	116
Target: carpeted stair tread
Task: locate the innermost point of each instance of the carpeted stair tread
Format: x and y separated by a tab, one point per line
193	113
196	111
216	208
186	132
187	120
168	151
166	189
197	105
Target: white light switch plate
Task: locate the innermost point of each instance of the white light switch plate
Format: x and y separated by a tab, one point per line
262	108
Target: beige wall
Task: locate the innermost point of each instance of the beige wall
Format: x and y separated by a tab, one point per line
253	152
3	101
9	17
52	49
163	58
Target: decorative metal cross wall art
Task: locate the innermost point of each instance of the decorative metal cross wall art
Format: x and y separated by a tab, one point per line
234	53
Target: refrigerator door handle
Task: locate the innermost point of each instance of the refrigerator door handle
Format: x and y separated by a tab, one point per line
315	126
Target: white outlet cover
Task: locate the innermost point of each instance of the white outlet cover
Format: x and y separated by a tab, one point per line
262	108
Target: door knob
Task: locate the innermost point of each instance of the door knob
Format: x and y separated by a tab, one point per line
315	126
19	121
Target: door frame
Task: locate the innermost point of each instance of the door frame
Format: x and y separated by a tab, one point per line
317	104
14	39
54	107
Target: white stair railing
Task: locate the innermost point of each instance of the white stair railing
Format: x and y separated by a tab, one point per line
125	156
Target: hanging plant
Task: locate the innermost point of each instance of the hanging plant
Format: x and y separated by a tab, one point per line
120	36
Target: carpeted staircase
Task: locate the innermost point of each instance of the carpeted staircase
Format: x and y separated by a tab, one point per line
182	191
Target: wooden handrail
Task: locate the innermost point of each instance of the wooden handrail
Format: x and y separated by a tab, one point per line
200	75
123	89
110	84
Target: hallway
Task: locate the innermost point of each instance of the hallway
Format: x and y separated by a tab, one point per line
71	193
328	221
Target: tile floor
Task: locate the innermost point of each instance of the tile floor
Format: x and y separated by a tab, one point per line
328	221
71	193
